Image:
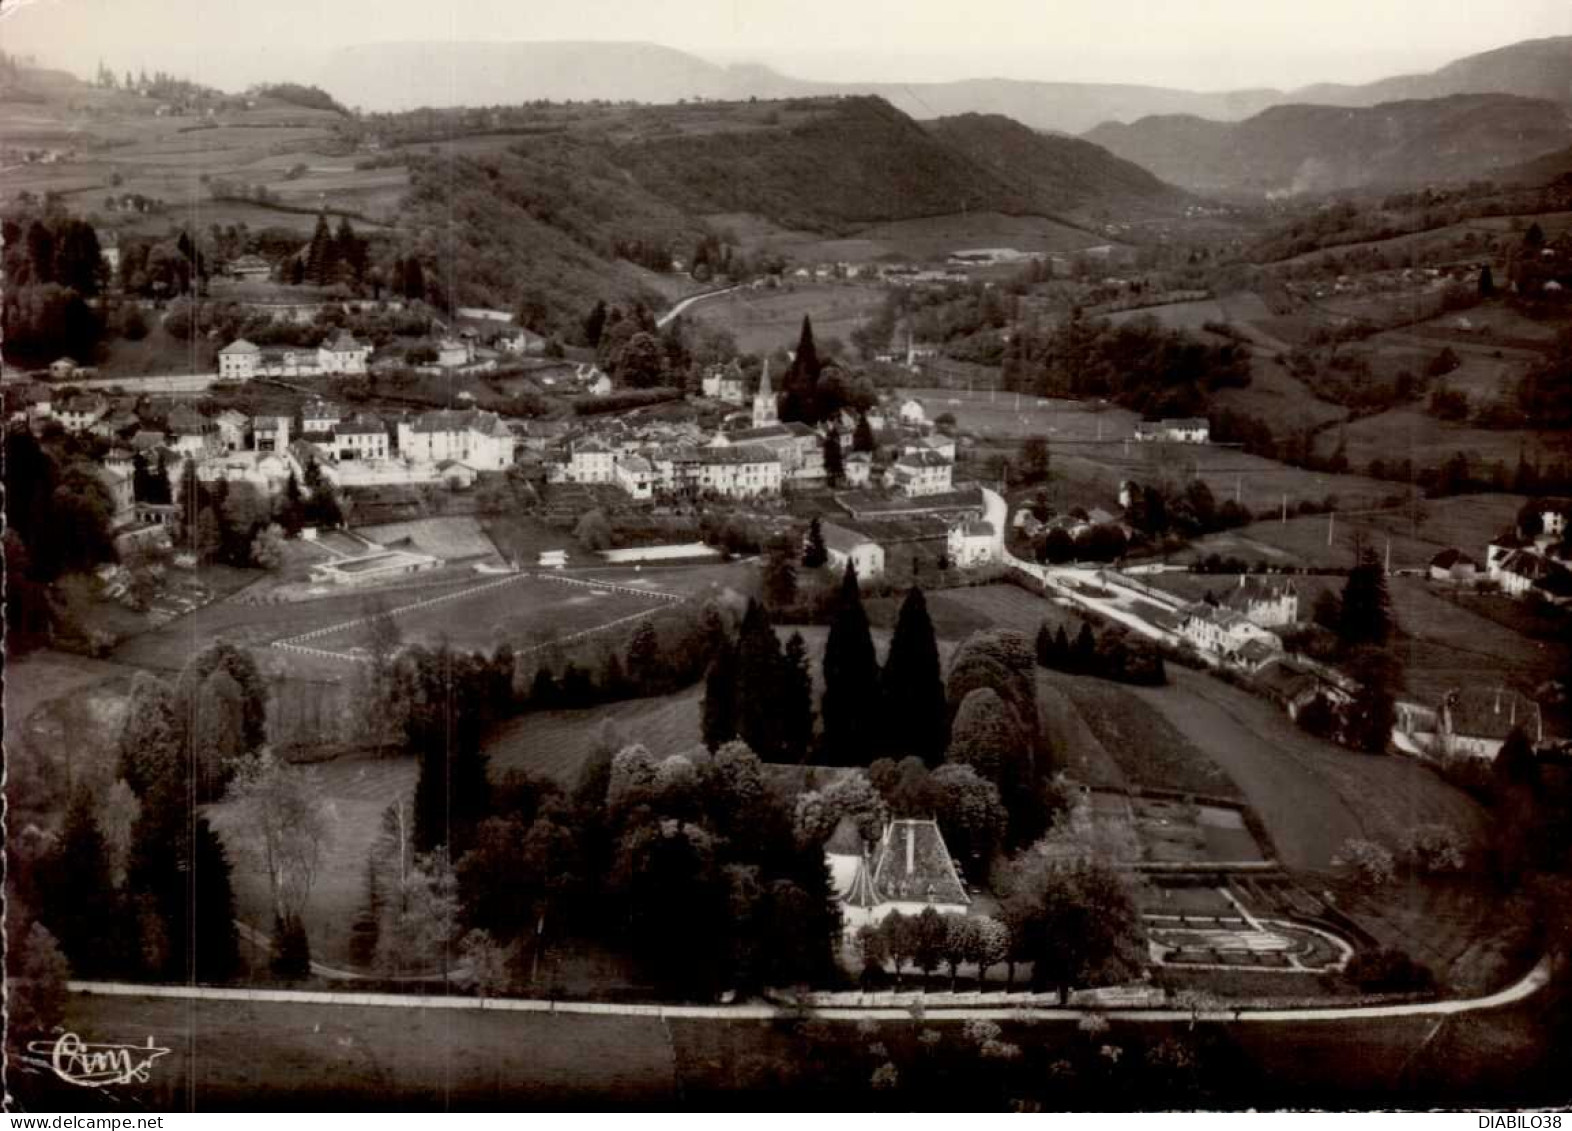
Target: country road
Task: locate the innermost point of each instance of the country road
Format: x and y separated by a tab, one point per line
934	1006
689	301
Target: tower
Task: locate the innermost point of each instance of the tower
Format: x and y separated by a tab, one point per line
764	409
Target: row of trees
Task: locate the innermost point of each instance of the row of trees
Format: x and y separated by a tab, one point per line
1107	655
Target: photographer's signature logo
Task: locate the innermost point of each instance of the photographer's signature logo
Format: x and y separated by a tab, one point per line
97	1066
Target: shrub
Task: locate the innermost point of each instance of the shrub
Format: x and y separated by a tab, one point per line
1388	970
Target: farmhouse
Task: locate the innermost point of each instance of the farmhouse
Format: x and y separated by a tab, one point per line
1270	604
1521	570
62	369
972	543
846	545
239	360
343	354
908	871
1221	632
83	411
1185	430
922	473
453	352
1474	721
1453	565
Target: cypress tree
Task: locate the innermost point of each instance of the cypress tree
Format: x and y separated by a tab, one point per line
216	944
916	713
796	700
321	260
759	668
850	707
834	460
1366	616
81	908
802	379
814	552
862	435
720	699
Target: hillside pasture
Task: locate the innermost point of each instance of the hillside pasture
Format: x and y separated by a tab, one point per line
1411	433
768	319
1010	416
1417	534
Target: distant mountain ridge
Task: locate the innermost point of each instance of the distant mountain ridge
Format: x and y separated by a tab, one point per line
407	75
1309	148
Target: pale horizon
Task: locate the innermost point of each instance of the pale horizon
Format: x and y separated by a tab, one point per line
1207	45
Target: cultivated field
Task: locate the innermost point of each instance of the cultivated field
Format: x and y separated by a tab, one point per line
1311	795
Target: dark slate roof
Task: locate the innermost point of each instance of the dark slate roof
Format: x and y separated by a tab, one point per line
931	878
1490	712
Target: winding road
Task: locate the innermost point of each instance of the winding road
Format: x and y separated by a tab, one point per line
689	301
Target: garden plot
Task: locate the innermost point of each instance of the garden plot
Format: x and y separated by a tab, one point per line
448	538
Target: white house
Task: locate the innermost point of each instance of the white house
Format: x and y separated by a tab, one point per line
1519	571
362	436
1185	430
1222	632
62	368
636	476
471	436
739	472
319	417
922	473
1454	566
266	471
239	360
858	469
725	383
453	352
592	380
233	429
82	411
846	545
1270	604
191	433
911	412
270	433
591	461
343	354
972	543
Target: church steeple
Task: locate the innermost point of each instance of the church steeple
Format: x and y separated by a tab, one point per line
765	411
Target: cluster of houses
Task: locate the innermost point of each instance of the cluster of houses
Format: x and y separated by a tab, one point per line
1518	562
760	457
1244	626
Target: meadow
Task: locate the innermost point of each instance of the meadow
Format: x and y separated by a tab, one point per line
770	319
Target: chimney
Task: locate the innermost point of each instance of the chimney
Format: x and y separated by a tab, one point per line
911	848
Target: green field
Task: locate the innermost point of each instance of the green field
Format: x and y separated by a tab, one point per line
770	319
1417	533
228	1055
523	612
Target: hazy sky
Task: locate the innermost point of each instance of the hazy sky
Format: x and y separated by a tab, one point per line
1200	44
